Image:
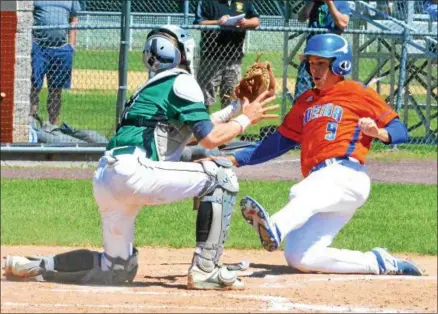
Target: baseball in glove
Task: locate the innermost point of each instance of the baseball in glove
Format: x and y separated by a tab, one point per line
257	79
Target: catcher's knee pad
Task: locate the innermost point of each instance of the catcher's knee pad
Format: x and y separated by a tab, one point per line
214	214
84	267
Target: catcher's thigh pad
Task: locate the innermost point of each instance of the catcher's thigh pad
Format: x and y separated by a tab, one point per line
214	214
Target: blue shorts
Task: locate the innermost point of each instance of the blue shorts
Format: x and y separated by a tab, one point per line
54	63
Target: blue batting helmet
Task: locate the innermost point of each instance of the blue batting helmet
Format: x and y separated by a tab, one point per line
331	46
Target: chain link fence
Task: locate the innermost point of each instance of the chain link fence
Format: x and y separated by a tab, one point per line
264	7
397	59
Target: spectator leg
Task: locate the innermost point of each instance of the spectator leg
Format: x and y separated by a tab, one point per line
209	78
230	78
54	105
34	100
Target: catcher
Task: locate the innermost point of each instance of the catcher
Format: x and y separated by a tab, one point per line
140	168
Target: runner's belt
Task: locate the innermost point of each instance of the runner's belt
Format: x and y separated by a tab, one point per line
345	161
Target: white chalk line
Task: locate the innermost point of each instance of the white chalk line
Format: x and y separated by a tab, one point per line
272	303
273	278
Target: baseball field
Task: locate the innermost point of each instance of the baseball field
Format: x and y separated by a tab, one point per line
49	208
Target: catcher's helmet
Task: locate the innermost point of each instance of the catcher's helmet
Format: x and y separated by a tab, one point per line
167	47
331	46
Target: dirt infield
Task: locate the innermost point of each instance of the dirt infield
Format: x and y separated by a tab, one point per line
270	287
283	168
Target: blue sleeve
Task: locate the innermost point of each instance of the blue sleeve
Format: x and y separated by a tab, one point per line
397	132
271	147
202	128
343	7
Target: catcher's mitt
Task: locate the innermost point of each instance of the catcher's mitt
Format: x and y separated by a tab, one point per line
257	79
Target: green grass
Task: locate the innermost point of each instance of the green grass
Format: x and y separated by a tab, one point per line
106	60
109	60
91	110
402	218
382	152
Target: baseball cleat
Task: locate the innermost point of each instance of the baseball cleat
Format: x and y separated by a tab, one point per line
258	218
391	265
221	278
22	267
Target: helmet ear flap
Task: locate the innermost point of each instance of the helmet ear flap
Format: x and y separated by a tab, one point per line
341	67
333	67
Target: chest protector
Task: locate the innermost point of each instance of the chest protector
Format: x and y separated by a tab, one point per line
170	139
172	136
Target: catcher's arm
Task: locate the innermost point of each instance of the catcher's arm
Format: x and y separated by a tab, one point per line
269	148
229	112
252	113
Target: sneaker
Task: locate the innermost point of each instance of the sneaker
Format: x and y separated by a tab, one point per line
22	267
221	278
391	265
258	218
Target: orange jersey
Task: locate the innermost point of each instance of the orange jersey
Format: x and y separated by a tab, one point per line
326	123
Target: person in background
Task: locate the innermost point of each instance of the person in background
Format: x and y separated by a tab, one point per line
331	14
52	53
222	52
431	7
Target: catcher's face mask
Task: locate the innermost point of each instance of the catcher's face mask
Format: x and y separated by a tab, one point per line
168	47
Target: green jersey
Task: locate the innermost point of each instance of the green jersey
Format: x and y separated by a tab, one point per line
158	111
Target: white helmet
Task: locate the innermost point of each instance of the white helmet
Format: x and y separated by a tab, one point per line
167	47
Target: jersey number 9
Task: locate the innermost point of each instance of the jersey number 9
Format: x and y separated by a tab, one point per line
332	128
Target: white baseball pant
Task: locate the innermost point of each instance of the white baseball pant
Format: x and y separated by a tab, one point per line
125	183
319	207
